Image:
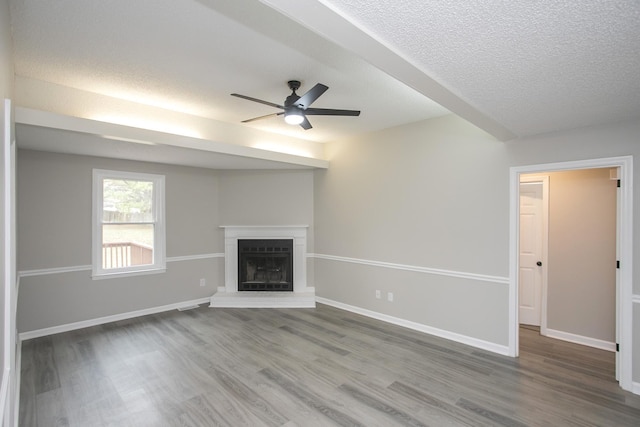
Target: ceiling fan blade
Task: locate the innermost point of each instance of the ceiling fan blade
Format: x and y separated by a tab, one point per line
314	93
305	124
330	112
263	117
271	104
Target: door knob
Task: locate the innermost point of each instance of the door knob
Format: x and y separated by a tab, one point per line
539	263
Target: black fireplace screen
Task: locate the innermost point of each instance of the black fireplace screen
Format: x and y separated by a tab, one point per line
265	265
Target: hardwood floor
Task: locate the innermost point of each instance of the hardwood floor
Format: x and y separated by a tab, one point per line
308	367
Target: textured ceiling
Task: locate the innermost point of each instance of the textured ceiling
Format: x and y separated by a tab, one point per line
533	66
512	68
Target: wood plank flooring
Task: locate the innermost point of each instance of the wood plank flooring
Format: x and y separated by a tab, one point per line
308	367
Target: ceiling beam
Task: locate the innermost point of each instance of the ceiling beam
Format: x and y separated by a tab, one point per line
328	23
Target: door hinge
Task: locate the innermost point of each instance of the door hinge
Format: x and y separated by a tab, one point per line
617	264
618	183
617	347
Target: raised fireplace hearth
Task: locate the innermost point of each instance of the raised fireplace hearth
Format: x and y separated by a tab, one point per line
275	271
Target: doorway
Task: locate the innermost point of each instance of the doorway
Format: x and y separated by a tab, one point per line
573	282
624	254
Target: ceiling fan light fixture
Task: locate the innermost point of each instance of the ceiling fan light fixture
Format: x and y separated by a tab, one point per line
293	117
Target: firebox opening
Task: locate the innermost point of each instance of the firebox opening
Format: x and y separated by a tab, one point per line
265	265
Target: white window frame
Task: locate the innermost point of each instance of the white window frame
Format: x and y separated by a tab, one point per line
159	237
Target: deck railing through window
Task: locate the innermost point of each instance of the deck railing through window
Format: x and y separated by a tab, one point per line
125	254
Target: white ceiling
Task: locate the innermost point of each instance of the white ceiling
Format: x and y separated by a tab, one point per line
512	68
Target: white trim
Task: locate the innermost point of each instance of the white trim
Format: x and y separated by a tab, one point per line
244	230
303	296
194	257
463	339
406	267
76	268
9	280
580	339
128	273
107	319
53	270
625	255
635	388
635	299
298	233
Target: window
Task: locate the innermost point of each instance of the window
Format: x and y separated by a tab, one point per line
128	223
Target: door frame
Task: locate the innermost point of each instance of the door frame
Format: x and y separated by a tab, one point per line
544	181
624	239
10	375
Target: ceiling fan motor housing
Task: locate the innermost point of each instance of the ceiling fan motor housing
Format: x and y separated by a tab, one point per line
291	100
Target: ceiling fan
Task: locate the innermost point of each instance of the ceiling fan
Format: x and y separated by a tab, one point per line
296	108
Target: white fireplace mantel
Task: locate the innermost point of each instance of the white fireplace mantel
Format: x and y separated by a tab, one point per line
229	296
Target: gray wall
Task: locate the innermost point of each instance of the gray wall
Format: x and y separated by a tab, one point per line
582	254
264	197
430	195
54	231
54	208
435	195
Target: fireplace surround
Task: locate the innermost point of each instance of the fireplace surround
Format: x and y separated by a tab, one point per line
232	295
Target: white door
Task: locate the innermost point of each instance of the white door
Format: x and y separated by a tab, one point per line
530	273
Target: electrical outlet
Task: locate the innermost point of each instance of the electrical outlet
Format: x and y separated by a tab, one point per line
390	296
378	293
203	282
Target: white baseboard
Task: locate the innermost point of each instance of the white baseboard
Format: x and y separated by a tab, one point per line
23	336
579	339
635	388
463	339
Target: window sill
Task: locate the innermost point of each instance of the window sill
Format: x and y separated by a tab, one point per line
122	274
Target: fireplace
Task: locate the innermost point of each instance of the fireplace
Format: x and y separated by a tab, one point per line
276	264
265	265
